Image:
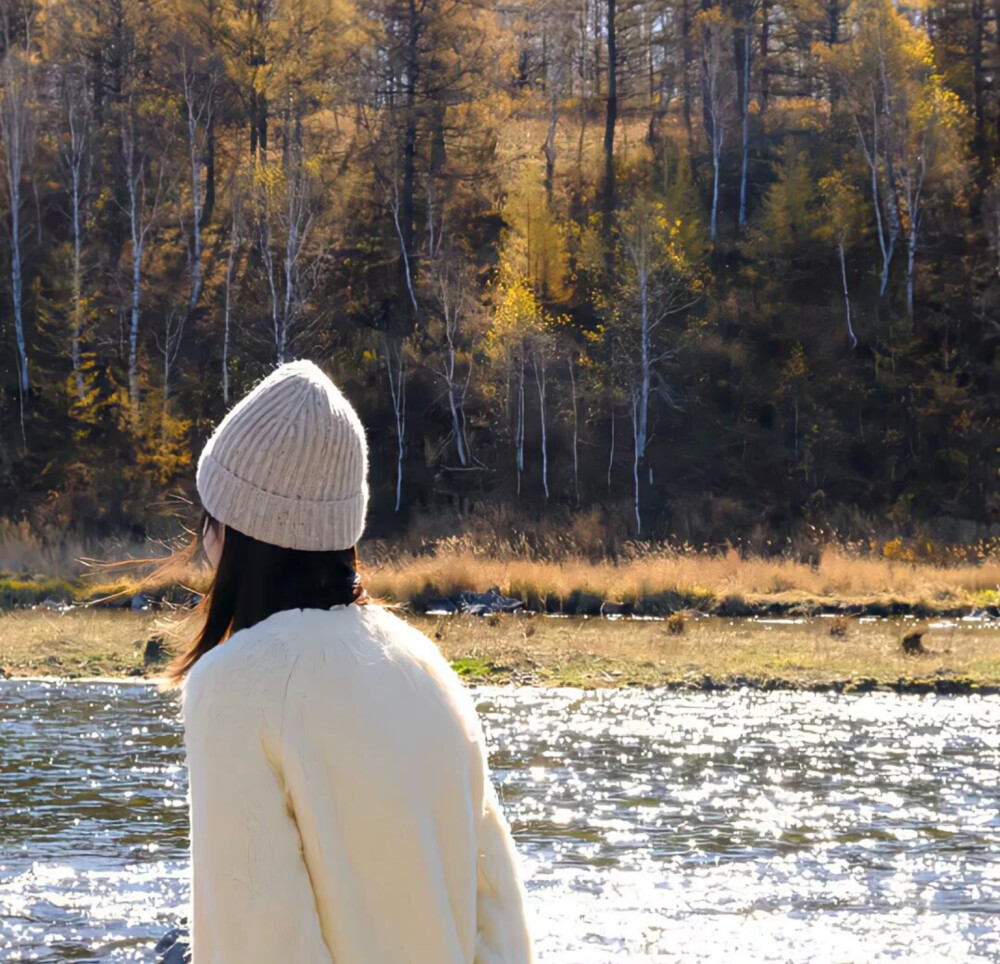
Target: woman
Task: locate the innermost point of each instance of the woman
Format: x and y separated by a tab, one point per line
341	805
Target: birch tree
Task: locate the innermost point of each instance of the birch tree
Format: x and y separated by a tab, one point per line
76	154
931	156
717	93
906	121
144	170
454	303
518	343
744	48
232	266
539	346
286	211
841	226
198	87
866	75
396	371
659	281
17	140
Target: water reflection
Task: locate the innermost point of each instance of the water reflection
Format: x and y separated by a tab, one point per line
654	826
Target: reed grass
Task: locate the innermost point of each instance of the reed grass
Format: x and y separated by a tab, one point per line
568	572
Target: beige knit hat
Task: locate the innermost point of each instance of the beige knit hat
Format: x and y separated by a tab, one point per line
288	465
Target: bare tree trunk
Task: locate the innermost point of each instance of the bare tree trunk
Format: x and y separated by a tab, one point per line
635	463
911	256
913	184
611	448
847	297
454	404
75	153
15	131
645	364
394	206
611	117
716	161
234	241
133	331
886	239
395	366
198	116
77	285
519	423
139	228
576	429
173	331
745	113
538	364
267	256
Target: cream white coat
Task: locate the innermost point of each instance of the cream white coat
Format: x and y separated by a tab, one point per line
341	806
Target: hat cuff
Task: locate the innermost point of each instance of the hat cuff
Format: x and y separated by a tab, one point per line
312	526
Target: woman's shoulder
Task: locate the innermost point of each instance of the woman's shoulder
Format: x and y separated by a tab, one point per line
262	648
339	642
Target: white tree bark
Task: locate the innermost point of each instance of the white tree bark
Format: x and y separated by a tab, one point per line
571	364
636	509
293	219
395	367
173	331
75	153
847	296
745	110
231	263
611	448
16	135
718	98
141	214
198	105
519	423
538	364
913	183
886	235
717	137
452	301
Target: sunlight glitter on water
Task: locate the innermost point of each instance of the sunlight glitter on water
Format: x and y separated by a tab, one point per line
653	826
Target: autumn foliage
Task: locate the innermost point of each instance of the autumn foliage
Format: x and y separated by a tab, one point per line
705	271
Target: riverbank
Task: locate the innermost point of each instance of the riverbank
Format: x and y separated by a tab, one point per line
955	656
888	580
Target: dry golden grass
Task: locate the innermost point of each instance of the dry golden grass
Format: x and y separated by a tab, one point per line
82	642
696	578
579	652
572	571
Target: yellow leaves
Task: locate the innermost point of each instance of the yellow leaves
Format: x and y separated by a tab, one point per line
535	239
843	212
712	18
163	451
517	312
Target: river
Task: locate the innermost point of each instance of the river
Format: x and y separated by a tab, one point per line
653	825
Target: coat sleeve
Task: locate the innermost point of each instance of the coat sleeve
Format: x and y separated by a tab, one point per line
502	935
251	894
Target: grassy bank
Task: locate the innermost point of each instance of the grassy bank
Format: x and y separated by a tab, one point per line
643	580
704	653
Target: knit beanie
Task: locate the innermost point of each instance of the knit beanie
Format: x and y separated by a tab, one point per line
288	465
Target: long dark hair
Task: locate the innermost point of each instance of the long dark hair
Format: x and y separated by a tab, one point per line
255	580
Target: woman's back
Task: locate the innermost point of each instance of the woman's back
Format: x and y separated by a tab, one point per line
341	806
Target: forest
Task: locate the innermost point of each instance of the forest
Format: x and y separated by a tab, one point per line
706	271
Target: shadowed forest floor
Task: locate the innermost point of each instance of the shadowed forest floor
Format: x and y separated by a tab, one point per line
851	654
